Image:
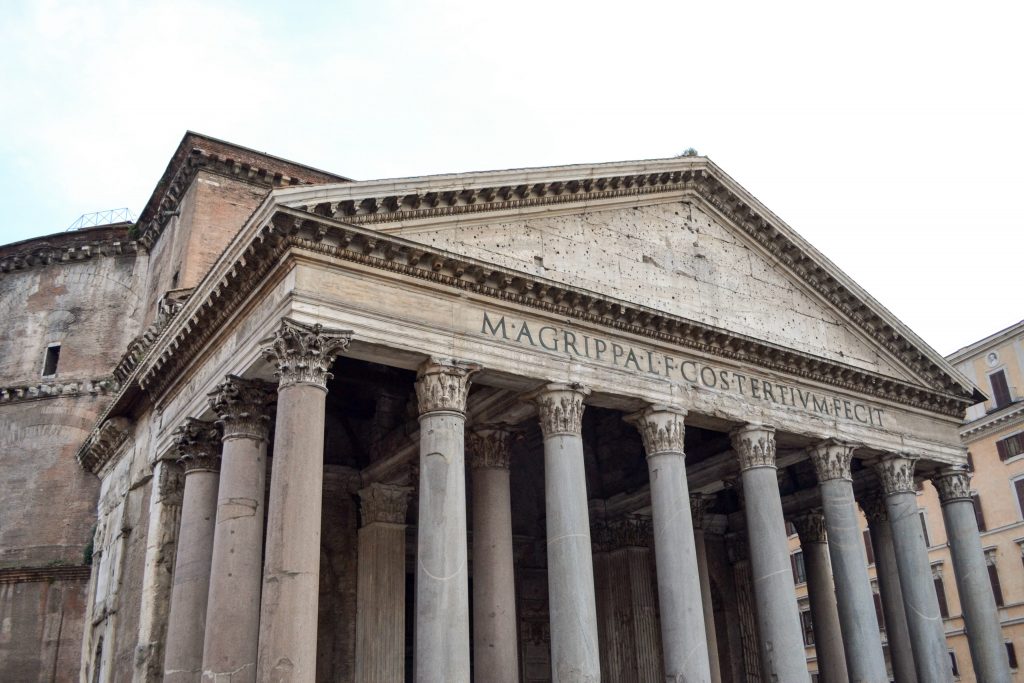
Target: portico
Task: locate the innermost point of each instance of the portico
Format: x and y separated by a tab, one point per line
526	450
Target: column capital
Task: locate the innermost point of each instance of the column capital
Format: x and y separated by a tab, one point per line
442	385
303	354
661	427
489	446
244	407
896	472
810	526
754	445
384	503
629	532
831	459
698	506
874	508
198	445
953	483
560	408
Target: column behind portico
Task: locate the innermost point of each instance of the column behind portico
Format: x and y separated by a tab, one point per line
778	618
302	355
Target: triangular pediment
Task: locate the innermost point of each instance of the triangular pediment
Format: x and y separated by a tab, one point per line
673	235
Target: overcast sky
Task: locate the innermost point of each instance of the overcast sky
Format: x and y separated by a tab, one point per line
890	135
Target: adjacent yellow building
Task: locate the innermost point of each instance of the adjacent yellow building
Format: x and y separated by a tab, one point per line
993	433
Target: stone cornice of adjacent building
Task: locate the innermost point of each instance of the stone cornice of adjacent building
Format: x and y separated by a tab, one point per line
1007	417
67	248
200	152
990	342
57	388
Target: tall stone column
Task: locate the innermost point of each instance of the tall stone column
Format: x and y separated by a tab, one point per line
233	624
380	592
198	445
495	642
861	634
442	579
927	635
739	557
574	644
981	619
896	630
782	644
828	636
679	591
303	355
698	505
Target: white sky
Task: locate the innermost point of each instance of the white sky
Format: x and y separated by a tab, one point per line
890	135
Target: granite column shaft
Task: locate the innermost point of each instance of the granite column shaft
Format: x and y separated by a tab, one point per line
828	635
697	506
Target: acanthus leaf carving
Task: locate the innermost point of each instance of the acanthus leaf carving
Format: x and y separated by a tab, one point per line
896	472
303	354
443	385
953	484
560	408
244	407
661	428
384	503
489	446
831	460
198	444
810	526
754	446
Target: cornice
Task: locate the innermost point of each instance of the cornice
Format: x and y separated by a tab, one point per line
45	254
403	201
1000	420
69	388
220	295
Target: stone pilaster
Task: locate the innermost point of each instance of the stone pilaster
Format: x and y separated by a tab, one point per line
243	407
887	574
828	636
574	644
927	635
855	601
663	431
302	356
778	619
198	447
380	597
495	630
981	618
442	582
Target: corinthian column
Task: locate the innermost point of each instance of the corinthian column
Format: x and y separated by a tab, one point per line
495	648
927	635
896	631
380	596
698	505
303	355
574	644
782	646
683	635
855	600
442	583
981	620
198	445
233	624
828	636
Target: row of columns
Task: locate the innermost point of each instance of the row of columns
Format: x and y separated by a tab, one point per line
218	632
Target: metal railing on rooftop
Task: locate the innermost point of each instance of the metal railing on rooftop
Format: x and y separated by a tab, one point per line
97	218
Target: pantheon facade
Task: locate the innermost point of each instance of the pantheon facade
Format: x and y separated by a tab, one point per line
543	424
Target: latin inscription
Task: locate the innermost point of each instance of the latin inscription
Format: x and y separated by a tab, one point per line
693	372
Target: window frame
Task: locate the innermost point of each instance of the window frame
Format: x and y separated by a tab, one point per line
46	360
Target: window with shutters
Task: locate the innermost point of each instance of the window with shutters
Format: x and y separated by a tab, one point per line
799	570
807	626
1011	446
970	462
924	529
867	547
1018	488
1011	654
878	611
953	664
993	578
1000	389
978	513
940	593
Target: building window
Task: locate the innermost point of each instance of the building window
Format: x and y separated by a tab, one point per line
940	590
1011	654
799	570
51	359
1018	488
953	664
970	462
1010	446
924	529
790	528
1000	389
978	513
878	611
993	576
808	627
867	547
